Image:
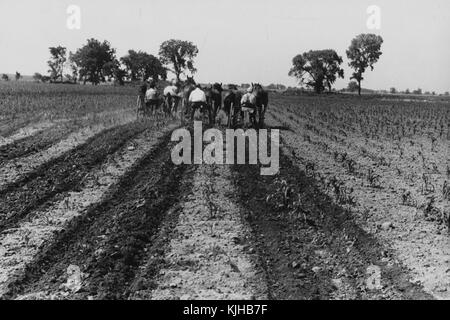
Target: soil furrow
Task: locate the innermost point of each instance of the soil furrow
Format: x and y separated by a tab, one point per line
208	256
20	245
29	128
34	143
15	169
62	174
389	174
12	124
25	132
419	244
109	241
313	249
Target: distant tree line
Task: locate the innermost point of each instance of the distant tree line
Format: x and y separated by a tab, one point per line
96	62
418	91
17	76
319	69
277	86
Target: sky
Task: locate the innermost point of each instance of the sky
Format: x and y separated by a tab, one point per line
240	41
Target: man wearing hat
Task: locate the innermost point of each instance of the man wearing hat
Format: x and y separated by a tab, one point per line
171	96
197	99
248	104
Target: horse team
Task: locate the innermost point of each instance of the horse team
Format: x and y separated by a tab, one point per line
192	97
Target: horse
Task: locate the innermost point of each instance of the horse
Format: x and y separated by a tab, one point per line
168	106
171	103
187	87
214	100
262	101
140	102
152	107
232	105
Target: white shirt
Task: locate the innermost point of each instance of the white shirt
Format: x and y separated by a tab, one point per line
197	96
150	94
172	90
248	98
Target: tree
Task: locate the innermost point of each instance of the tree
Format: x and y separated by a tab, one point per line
90	60
142	66
418	91
56	63
364	52
5	77
352	86
37	77
18	76
446	93
277	86
179	55
393	90
73	69
317	69
113	70
407	91
45	78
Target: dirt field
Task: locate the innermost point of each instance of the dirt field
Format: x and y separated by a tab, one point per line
92	207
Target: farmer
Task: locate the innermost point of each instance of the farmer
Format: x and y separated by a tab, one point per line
172	89
248	104
197	99
151	98
171	97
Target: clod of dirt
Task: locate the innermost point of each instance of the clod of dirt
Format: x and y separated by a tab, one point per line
321	253
337	283
387	225
75	278
316	269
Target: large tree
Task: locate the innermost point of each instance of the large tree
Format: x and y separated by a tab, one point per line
56	63
178	56
74	75
352	86
142	66
317	68
364	52
91	59
37	77
114	70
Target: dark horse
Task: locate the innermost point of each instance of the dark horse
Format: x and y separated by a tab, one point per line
140	103
214	100
262	101
232	105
